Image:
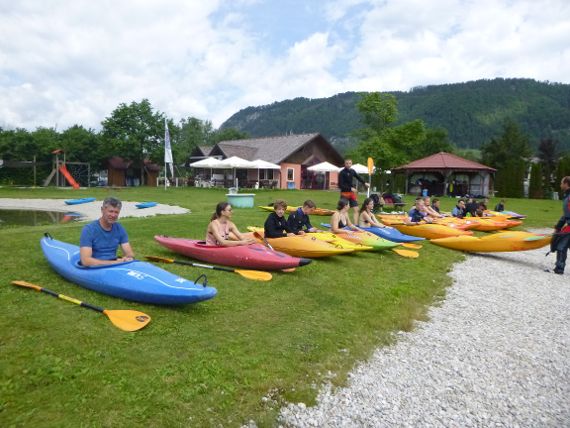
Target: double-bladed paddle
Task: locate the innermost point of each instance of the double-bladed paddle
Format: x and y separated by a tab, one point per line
256	275
124	319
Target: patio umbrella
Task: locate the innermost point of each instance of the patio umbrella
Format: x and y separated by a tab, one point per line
209	162
323	167
261	164
236	162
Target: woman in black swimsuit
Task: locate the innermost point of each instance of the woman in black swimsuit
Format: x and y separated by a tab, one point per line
340	218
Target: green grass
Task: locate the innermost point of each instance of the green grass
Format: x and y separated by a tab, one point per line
209	364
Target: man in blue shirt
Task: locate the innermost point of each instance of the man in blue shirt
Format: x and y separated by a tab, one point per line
418	213
100	239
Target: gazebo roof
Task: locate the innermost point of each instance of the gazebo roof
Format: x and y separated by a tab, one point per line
443	160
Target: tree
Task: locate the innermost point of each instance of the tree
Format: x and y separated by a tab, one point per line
509	154
134	132
378	110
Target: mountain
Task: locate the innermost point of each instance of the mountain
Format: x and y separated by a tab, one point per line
472	112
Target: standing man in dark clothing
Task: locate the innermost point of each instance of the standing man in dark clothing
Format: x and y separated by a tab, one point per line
561	239
347	191
299	222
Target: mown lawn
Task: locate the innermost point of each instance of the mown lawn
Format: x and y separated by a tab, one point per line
237	357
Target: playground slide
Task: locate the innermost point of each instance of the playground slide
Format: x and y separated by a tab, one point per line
68	177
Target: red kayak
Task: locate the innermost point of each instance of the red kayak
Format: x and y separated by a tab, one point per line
254	256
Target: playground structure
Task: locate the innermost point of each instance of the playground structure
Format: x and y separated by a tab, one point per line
62	174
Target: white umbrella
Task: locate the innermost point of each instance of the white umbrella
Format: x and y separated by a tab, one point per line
236	162
323	167
207	163
261	164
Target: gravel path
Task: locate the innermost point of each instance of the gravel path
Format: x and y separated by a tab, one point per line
494	354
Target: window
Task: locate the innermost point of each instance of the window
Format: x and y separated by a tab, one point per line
290	174
266	174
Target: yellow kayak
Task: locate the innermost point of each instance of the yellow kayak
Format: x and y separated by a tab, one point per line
300	246
338	241
431	231
496	242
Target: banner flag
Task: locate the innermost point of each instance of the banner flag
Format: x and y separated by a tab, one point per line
168	150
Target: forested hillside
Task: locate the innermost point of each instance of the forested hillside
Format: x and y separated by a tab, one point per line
472	112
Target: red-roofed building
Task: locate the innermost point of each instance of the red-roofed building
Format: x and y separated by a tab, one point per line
447	174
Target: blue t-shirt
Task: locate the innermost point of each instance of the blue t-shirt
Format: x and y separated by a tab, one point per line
103	243
416	215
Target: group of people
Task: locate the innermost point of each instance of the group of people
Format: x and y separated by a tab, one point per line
101	239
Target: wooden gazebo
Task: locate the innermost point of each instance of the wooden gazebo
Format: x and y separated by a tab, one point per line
447	174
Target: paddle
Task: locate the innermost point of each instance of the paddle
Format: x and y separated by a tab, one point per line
256	275
410	245
406	253
370	169
125	319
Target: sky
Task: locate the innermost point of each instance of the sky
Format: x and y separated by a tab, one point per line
65	62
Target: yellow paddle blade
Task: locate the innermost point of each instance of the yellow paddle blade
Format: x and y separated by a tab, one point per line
287	270
406	253
412	246
370	166
127	320
257	275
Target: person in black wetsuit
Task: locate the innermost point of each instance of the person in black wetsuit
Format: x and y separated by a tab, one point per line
299	221
561	239
276	225
346	178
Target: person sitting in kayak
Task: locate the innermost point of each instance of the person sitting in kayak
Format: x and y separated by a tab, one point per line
367	217
221	229
459	210
101	239
418	213
435	205
276	226
340	218
299	221
500	206
429	208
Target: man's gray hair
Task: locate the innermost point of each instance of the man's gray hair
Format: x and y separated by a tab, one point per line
114	202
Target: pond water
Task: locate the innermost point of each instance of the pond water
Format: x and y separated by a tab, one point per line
35	217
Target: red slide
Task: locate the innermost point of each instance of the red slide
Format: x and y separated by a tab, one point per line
68	177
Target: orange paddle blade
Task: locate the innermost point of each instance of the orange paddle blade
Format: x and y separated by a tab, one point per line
406	253
127	320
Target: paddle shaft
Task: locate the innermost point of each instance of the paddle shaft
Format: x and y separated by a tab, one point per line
225	269
59	296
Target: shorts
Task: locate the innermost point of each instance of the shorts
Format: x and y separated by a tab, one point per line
351	197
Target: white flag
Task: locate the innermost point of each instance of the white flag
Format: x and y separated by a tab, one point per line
167	149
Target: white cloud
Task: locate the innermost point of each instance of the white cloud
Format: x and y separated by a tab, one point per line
71	63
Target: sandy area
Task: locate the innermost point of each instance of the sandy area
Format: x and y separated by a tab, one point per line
90	210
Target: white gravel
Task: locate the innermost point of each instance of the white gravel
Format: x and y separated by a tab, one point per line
496	353
89	210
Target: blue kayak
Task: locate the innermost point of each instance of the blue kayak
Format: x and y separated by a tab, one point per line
79	201
146	205
392	234
388	233
137	281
